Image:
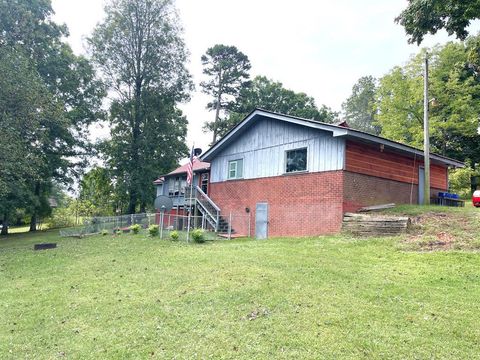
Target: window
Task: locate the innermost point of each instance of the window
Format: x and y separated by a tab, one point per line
183	185
171	187
204	182
235	169
176	186
296	160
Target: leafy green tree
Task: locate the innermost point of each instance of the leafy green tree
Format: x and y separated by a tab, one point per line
400	104
460	179
272	96
455	88
64	81
359	108
429	16
30	121
141	54
97	187
227	69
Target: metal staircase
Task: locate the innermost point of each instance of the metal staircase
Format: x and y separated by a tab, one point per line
207	208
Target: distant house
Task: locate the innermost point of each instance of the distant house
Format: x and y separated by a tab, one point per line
296	177
174	184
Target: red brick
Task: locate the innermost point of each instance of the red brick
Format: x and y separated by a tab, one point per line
299	205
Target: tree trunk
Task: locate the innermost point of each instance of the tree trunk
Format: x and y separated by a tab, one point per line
33	222
5	225
132	203
143	207
215	123
33	219
217	110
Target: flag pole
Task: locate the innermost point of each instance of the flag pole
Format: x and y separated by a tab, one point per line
191	190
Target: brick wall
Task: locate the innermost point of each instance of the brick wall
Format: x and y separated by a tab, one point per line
363	190
299	205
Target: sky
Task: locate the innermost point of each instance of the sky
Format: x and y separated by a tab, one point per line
318	47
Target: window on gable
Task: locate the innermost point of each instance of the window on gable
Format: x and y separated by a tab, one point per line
235	169
296	160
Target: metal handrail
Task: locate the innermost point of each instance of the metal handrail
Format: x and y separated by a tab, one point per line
197	188
206	210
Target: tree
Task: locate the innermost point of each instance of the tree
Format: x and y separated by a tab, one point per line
66	82
454	86
429	16
97	187
227	68
359	108
140	52
30	120
272	96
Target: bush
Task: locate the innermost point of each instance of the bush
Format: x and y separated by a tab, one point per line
60	218
135	228
118	232
198	236
174	235
153	230
104	232
459	180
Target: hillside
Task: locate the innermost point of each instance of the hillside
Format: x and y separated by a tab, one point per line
440	228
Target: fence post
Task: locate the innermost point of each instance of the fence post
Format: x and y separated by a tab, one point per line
249	225
162	214
230	227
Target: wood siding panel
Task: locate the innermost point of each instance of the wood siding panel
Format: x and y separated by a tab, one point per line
263	146
372	161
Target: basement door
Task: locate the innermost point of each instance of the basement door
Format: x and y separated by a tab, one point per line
421	185
261	221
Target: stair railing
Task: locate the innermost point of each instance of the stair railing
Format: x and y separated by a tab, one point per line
212	211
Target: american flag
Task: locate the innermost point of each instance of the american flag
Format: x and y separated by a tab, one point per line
190	168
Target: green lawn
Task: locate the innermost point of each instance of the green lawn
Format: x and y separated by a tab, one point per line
334	297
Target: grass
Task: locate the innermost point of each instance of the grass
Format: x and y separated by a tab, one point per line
330	297
441	228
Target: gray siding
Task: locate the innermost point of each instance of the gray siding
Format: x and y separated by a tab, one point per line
263	146
164	188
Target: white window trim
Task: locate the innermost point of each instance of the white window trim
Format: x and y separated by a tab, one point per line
285	161
236	169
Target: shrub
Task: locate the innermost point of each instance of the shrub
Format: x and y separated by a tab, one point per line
174	235
118	232
153	230
60	218
104	232
135	228
198	236
459	180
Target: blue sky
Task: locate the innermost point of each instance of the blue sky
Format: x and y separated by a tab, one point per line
318	47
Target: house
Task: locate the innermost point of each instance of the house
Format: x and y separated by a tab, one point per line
296	177
174	184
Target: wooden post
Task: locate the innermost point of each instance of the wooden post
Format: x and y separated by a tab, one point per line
426	135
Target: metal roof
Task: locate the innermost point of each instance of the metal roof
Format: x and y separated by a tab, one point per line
198	166
337	131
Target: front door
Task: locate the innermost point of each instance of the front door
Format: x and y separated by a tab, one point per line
261	221
421	185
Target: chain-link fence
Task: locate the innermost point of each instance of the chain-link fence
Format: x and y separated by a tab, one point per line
169	226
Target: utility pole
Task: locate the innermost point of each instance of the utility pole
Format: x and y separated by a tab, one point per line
426	135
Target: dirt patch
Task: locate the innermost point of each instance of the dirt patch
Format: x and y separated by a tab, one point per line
437	231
